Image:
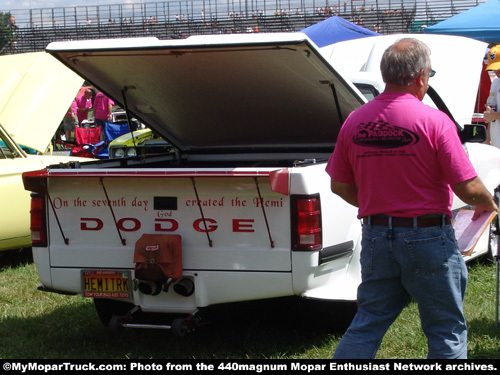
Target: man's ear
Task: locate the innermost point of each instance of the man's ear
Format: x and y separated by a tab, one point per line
421	78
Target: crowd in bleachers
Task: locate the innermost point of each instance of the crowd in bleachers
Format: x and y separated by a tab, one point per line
37	34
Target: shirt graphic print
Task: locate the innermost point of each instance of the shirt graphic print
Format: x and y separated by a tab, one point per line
383	135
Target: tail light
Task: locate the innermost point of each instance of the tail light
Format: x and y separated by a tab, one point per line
38	221
306	222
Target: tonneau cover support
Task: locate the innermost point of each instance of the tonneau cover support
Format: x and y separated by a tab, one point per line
261	200
337	105
44	184
201	212
101	182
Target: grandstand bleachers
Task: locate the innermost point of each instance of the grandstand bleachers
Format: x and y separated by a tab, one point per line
36	28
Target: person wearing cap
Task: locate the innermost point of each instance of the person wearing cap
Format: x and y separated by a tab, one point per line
490	116
400	161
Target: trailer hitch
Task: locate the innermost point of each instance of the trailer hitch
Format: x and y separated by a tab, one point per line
179	326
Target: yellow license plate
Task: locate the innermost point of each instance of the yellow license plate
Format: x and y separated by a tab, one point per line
106	284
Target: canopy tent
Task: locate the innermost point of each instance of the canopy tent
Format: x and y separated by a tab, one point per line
481	22
335	29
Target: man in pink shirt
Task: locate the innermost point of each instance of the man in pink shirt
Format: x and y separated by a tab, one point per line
84	105
103	107
400	161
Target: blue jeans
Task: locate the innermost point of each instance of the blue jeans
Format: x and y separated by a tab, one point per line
400	262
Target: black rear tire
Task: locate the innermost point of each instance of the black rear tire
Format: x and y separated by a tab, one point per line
107	308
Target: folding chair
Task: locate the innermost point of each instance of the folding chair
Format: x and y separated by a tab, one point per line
114	130
88	142
111	131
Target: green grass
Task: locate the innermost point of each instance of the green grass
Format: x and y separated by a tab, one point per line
36	325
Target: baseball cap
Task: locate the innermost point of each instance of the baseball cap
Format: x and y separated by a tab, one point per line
494	58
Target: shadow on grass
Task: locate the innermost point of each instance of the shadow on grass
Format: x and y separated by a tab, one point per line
15	258
480	329
280	328
262	329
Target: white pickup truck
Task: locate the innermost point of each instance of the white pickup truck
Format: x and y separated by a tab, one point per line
240	210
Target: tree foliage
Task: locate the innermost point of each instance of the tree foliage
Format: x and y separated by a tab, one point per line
8	31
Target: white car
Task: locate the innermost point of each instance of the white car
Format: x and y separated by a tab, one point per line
453	90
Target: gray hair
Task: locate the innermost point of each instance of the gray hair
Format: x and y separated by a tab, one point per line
402	63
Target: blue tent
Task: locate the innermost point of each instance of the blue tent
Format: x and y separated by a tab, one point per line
481	22
335	29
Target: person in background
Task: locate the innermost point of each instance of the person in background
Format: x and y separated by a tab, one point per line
70	121
491	115
84	105
103	109
13	29
400	161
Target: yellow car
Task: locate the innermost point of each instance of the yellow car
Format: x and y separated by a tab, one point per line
35	92
15	201
139	143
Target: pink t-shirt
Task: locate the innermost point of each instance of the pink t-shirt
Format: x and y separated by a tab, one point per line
403	156
101	106
81	102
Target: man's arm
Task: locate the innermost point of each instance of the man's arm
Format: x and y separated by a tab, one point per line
110	110
474	192
348	192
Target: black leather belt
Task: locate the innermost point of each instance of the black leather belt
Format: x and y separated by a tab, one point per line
429	220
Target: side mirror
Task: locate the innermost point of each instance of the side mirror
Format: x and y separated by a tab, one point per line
475	133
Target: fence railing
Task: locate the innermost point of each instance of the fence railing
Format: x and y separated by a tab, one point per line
32	29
